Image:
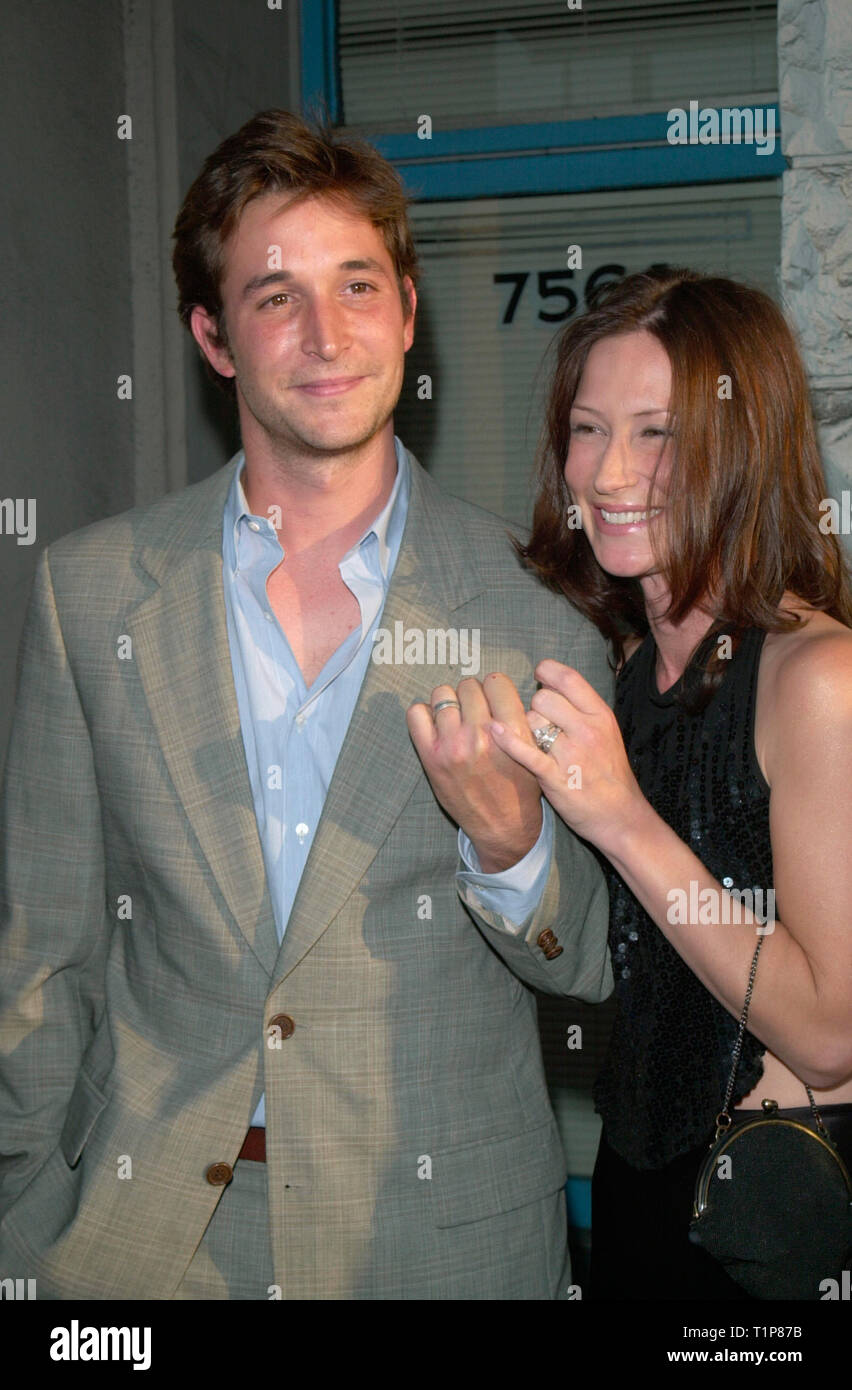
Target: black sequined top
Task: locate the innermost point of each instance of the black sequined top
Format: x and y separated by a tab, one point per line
670	1053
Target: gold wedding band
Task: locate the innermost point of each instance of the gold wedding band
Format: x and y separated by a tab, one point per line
445	704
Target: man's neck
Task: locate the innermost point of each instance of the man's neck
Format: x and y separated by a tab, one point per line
321	504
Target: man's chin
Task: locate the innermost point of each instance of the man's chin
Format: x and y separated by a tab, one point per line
330	443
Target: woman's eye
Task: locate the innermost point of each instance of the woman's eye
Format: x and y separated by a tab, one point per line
582	428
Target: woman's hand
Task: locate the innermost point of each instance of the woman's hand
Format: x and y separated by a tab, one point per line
586	776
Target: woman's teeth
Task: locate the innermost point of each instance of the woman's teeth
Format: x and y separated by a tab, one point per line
625	518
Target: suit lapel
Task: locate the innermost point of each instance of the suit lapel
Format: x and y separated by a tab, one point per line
378	767
180	645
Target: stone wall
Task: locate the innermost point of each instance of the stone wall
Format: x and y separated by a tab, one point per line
815	86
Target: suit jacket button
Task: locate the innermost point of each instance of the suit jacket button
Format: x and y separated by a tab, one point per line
219	1174
547	939
553	952
283	1025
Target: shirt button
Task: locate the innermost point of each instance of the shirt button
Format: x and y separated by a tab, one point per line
268	616
300	719
253	526
302	831
219	1174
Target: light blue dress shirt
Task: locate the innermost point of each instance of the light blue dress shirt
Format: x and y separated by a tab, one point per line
293	735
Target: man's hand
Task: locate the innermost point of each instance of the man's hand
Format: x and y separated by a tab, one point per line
495	800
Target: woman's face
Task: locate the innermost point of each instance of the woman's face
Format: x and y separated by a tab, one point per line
620	437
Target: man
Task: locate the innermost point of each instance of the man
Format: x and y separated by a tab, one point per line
254	1043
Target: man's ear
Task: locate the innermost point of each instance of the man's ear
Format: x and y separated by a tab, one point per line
411	297
205	332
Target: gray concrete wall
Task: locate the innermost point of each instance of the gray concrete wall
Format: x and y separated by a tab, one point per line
67	439
815	86
232	60
87	293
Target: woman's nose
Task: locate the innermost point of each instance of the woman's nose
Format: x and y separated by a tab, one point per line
616	467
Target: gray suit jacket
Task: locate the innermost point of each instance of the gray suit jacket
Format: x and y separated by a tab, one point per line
139	964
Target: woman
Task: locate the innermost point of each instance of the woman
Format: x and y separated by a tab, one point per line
679	432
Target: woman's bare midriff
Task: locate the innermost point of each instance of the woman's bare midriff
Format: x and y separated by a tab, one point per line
779	1083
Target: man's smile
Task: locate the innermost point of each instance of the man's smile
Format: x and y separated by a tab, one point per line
329	386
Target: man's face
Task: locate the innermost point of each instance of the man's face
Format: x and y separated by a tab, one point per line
315	324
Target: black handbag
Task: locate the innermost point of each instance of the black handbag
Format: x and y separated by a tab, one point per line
773	1198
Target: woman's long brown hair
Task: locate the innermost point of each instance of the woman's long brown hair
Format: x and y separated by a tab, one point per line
746	482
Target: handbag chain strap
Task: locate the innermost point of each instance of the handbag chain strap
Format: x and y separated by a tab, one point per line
724	1119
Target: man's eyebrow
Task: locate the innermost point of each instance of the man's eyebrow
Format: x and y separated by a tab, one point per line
260	282
367	264
283	277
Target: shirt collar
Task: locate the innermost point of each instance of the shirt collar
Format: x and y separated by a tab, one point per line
387	527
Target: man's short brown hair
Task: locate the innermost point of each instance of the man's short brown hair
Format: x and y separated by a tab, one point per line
278	152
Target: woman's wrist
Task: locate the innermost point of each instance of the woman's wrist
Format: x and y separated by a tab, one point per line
628	843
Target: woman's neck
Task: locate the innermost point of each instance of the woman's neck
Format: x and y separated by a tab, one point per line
675	642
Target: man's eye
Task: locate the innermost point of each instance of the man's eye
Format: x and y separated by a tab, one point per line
359	286
280	298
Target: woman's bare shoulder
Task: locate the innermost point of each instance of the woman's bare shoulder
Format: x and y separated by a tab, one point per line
805	679
819	650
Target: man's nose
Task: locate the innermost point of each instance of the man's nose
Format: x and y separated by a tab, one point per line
325	332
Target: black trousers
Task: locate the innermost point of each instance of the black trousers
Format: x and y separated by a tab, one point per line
640	1224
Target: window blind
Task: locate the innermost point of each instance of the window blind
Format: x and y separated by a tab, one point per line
517	61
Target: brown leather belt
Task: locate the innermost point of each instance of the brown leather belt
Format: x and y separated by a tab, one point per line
254	1145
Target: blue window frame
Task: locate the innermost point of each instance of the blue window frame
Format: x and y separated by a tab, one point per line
608	152
319	66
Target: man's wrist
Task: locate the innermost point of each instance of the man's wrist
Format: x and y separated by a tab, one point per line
495	857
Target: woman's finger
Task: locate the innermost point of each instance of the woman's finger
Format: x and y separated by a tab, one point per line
571	684
527	754
557	709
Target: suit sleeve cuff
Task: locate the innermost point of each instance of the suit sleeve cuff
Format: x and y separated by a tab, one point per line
515	893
